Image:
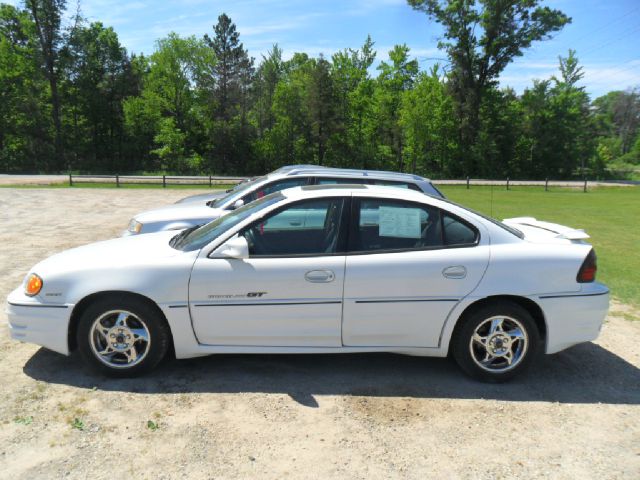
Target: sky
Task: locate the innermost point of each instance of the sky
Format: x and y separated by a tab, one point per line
604	33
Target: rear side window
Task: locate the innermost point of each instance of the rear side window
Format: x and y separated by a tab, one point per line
455	232
394	225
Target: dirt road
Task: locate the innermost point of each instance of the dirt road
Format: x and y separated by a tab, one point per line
575	415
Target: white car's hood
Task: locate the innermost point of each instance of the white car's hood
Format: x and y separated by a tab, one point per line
180	211
117	253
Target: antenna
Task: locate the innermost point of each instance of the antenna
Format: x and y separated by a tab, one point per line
491	201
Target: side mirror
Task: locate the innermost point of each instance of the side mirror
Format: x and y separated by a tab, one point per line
238	204
236	247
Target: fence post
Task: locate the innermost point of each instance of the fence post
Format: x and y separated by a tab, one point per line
585	185
507	183
164	181
546	184
209	181
467	183
70	180
117	180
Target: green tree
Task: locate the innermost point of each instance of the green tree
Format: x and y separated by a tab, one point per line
98	76
481	39
232	74
394	79
353	89
46	16
428	125
25	144
556	125
178	73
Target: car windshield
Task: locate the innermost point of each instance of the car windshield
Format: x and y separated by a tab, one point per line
196	238
238	192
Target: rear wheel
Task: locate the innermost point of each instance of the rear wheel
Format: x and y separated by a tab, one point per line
122	337
496	342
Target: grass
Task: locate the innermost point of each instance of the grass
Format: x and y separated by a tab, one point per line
611	215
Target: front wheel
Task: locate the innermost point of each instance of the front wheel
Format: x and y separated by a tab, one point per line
496	342
122	337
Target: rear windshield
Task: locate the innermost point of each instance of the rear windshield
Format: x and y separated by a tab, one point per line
511	230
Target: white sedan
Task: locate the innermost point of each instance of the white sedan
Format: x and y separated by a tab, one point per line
322	269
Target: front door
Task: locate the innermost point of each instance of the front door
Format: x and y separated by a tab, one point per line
288	293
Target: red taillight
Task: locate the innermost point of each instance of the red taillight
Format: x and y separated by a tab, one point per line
587	272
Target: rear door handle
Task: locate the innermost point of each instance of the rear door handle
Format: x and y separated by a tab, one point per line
319	276
455	272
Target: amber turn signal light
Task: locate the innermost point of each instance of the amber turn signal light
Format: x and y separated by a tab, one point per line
33	285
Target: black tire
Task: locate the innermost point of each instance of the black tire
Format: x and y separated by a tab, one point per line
467	352
143	317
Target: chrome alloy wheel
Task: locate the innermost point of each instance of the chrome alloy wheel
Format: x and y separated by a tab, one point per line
119	339
499	344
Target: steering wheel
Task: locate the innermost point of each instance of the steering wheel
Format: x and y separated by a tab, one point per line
256	245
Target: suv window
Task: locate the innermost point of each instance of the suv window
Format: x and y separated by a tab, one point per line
391	225
338	181
391	183
304	228
275	187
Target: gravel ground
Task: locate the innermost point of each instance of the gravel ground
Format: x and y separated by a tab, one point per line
574	415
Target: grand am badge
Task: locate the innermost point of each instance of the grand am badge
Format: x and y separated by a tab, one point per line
240	295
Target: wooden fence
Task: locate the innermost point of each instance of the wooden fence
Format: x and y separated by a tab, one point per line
164	180
211	181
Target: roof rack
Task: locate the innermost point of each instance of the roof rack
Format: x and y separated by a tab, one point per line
354	172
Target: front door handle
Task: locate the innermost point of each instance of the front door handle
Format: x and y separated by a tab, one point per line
319	276
456	272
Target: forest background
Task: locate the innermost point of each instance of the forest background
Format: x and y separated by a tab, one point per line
73	99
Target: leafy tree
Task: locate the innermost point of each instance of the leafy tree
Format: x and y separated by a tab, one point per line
177	74
394	79
46	16
24	121
428	124
481	39
353	90
232	74
98	77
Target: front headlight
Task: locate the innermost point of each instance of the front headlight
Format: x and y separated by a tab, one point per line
32	285
134	226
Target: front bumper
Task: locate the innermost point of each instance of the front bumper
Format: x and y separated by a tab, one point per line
574	318
44	324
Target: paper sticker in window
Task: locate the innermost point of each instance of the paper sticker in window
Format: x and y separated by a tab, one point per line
399	222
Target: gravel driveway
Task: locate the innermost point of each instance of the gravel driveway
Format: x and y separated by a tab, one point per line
574	415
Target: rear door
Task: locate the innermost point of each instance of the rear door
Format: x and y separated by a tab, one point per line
408	265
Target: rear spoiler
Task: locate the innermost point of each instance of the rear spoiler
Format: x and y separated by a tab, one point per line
560	230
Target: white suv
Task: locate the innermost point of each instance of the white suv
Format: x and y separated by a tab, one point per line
204	209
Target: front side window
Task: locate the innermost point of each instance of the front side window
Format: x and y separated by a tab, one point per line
396	225
274	187
197	237
310	227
